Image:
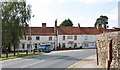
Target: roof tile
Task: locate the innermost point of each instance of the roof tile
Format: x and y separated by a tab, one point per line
67	30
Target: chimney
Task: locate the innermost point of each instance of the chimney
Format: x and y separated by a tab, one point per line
99	26
56	39
43	24
55	28
56	22
79	25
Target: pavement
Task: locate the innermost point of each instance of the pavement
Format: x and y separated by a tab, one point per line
89	62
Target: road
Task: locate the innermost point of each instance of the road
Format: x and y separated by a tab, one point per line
55	59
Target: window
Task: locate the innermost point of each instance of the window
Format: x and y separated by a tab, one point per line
63	37
29	38
86	38
69	37
75	37
59	45
25	37
39	43
63	45
28	46
75	45
35	45
86	45
37	38
23	46
50	38
92	44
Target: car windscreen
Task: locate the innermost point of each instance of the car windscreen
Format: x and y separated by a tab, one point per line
42	46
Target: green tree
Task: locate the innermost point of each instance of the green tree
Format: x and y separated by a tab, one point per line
67	22
0	33
15	16
103	20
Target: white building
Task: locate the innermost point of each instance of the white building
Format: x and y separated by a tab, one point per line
62	37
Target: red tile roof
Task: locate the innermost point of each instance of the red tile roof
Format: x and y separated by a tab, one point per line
67	30
77	30
41	31
89	30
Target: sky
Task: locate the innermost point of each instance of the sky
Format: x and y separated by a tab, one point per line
84	12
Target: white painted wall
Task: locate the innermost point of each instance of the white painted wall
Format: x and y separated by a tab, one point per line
43	39
90	39
81	40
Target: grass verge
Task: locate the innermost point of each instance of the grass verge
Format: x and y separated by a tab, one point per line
18	55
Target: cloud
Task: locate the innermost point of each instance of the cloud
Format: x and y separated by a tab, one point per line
97	1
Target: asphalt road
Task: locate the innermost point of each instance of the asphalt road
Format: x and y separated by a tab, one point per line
55	59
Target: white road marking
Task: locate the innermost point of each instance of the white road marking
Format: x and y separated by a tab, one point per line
63	51
32	64
15	62
11	60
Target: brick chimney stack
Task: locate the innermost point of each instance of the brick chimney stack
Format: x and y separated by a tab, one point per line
43	24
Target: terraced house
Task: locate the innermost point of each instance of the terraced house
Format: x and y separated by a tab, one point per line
62	37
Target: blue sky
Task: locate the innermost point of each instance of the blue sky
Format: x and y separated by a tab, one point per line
84	12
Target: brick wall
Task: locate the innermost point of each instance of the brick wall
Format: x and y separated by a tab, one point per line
108	45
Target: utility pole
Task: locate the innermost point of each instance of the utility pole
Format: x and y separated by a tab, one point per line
56	35
30	29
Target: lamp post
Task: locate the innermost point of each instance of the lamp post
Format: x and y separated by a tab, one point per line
56	35
30	34
29	37
30	27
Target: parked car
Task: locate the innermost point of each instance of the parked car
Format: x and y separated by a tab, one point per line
44	48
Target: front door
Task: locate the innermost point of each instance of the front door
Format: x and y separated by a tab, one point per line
85	44
70	44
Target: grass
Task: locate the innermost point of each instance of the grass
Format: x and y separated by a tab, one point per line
20	54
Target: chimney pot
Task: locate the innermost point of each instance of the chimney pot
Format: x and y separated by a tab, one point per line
43	24
79	25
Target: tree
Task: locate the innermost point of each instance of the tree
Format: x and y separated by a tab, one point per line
67	23
103	20
15	16
0	34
